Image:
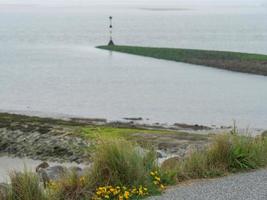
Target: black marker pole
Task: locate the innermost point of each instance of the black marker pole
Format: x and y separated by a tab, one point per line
110	32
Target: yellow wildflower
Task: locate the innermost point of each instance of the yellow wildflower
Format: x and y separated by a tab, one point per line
126	194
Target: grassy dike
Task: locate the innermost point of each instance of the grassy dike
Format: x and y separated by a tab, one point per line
234	61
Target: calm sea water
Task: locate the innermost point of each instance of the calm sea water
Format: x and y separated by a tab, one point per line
21	164
49	66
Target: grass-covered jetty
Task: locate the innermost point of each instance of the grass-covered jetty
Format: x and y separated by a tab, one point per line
234	61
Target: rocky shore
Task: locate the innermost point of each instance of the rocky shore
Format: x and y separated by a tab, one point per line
67	142
41	139
54	145
63	141
71	140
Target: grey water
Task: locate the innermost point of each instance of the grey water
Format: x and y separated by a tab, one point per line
11	164
49	64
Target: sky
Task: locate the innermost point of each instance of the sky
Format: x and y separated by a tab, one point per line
158	2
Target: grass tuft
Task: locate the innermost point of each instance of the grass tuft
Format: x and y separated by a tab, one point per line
227	154
71	187
119	162
121	169
25	186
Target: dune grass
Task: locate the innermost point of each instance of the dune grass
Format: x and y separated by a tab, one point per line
119	162
122	170
227	154
25	186
234	61
71	187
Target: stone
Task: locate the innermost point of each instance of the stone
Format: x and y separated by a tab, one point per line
77	170
160	154
170	163
43	165
181	152
191	127
55	172
166	145
133	118
73	158
43	177
42	142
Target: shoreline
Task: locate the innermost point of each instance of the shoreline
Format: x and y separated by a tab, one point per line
138	122
60	147
71	140
130	122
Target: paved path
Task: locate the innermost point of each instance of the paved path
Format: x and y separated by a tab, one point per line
247	186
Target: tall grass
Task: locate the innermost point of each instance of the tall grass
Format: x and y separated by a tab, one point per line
25	186
228	153
71	187
119	162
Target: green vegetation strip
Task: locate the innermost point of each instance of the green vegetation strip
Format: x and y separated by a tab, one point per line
86	130
234	61
120	171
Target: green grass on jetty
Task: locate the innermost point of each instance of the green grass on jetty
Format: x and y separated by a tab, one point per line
234	61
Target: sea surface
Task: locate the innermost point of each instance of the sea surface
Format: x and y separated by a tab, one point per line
8	165
49	64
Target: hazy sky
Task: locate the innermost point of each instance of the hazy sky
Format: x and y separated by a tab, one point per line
153	2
